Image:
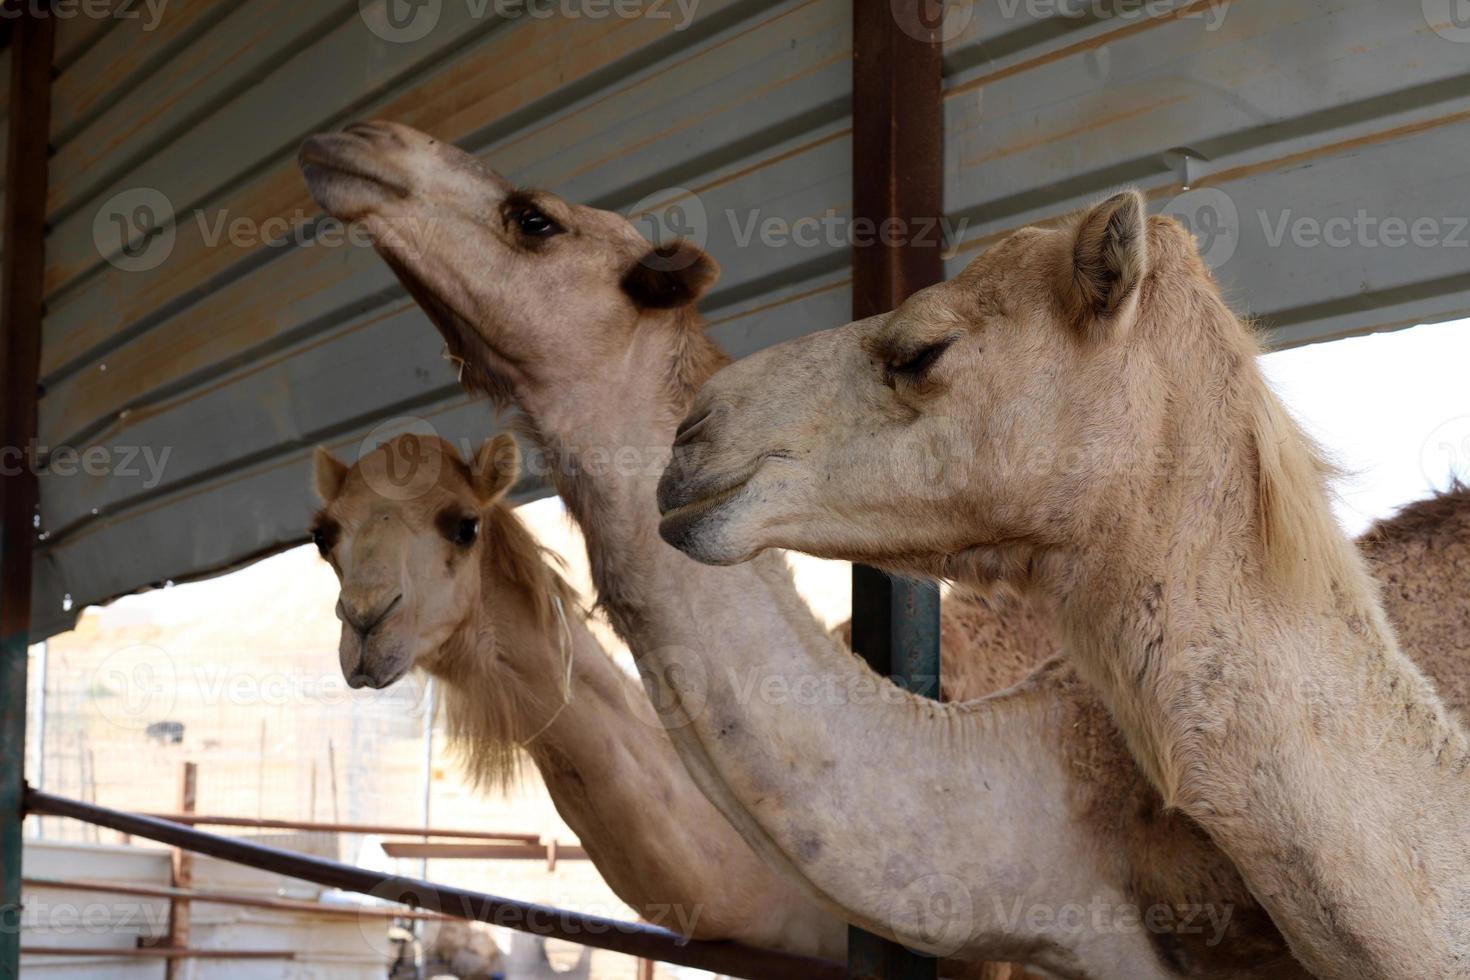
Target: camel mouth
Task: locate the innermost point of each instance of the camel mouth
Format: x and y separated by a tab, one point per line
683	489
705	502
359	679
689	511
329	158
686	529
678	493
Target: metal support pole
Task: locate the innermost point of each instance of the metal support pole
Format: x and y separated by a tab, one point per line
32	39
43	661
898	176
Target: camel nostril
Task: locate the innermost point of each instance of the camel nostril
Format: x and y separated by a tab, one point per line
365	623
691	426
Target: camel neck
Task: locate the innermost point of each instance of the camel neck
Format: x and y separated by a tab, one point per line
814	759
613	775
1239	644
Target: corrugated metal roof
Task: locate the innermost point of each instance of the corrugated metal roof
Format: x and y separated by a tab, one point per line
206	363
235	357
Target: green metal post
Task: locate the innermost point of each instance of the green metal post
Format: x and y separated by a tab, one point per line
32	38
895	625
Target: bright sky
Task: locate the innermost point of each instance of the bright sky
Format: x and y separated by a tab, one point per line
1392	409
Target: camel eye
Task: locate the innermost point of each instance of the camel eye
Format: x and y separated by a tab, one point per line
915	365
535	223
467	531
457	528
324	536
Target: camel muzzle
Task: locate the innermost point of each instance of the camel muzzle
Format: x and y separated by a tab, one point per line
364	623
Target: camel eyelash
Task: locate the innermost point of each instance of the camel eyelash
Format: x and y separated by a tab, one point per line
915	363
324	535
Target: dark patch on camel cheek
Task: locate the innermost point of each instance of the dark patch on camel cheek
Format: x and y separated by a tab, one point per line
808	847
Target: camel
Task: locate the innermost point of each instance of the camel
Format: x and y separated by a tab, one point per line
440	574
613	365
514	673
1177	520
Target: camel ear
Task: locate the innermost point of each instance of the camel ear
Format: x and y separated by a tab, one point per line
496	468
670	275
1109	262
328	473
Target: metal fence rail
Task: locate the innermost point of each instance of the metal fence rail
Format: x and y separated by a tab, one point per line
634	939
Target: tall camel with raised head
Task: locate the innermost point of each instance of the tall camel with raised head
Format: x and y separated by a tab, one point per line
1107	441
616	366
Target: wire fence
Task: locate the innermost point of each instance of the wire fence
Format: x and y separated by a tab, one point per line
118	707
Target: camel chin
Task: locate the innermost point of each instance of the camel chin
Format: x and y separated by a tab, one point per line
708	533
376	664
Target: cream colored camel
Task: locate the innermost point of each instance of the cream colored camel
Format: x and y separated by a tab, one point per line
1106	440
439	573
613	368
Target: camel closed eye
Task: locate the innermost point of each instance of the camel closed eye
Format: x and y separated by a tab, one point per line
914	365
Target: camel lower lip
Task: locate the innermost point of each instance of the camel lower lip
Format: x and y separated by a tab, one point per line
373	683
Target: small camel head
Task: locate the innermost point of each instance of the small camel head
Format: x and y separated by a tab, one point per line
533	295
983	411
402	530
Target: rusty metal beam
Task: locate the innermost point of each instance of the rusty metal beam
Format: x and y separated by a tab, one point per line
633	939
550	852
226	898
898	178
258	823
33	38
159	952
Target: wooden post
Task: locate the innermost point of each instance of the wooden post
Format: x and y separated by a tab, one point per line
898	178
260	775
32	40
183	877
332	771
